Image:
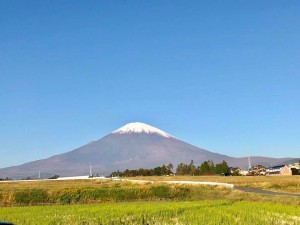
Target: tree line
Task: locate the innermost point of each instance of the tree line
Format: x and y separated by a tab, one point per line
163	170
205	168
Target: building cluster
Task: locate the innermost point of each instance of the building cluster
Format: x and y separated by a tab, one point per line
260	170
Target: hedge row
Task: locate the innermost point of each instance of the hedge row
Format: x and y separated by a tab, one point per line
93	194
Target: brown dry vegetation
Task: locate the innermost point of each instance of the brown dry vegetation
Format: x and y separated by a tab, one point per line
283	183
289	184
49	184
96	191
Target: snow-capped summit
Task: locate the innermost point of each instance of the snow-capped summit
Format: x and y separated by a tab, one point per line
119	151
140	128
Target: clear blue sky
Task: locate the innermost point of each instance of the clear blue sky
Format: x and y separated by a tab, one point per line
222	75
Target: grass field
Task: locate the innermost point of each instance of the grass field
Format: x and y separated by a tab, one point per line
99	191
191	212
108	191
290	184
115	202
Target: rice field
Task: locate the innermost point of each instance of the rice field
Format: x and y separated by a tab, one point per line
186	212
289	184
69	202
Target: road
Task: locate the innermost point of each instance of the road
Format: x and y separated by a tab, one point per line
264	192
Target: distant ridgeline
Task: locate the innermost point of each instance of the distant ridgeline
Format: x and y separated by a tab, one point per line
206	168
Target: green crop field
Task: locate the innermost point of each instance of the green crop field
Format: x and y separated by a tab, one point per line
191	212
119	202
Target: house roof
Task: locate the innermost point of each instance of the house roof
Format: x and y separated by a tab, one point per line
276	167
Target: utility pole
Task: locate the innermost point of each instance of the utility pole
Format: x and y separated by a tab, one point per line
249	162
91	170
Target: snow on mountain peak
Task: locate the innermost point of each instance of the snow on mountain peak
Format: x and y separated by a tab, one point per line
140	128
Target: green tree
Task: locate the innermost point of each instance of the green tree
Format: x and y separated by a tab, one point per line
157	171
170	167
204	168
179	169
183	169
222	168
211	167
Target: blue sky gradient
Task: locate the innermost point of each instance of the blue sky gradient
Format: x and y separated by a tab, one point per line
222	75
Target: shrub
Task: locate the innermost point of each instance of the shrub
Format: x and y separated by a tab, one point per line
32	196
161	191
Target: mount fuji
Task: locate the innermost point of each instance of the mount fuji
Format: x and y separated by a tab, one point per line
132	146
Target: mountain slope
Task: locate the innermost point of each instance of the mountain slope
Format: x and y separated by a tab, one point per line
133	146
